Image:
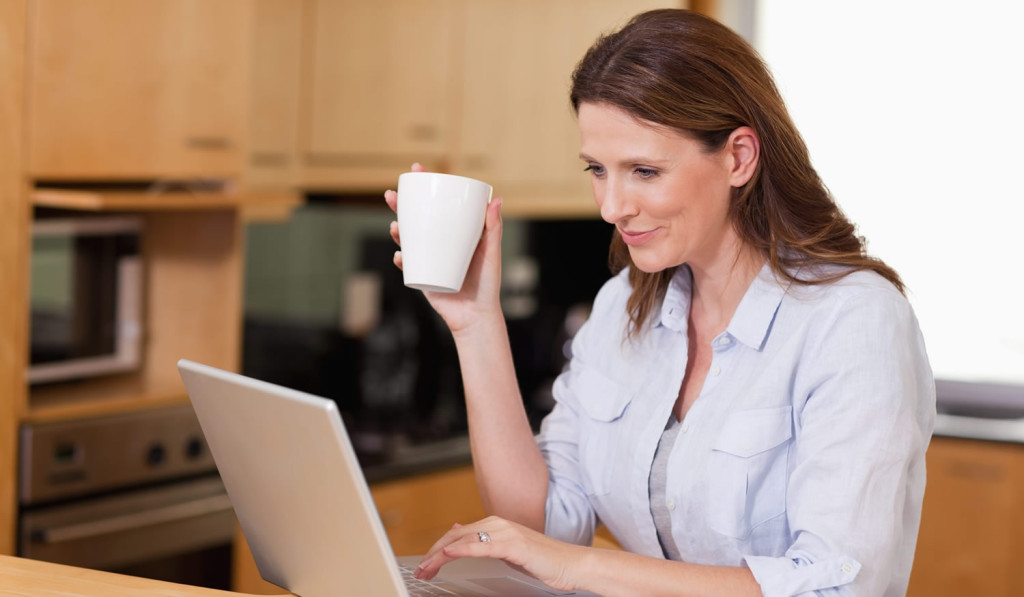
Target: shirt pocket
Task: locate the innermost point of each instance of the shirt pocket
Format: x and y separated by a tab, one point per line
748	469
603	402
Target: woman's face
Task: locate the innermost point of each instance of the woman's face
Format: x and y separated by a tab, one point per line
668	197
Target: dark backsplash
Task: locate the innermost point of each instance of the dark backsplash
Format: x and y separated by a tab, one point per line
397	382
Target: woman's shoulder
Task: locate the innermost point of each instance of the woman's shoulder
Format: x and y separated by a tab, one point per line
614	294
847	283
860	290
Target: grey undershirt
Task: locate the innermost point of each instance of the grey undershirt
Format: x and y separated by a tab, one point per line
656	486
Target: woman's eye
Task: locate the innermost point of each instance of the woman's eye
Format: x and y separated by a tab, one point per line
646	172
594	169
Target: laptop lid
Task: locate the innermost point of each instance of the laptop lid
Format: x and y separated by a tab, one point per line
295	484
301	498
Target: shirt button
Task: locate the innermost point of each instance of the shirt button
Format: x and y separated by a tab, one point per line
716	370
724	340
685	427
847	568
672	506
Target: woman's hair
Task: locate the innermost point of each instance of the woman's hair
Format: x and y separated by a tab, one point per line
687	72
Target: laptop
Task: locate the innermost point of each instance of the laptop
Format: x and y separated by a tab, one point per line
302	501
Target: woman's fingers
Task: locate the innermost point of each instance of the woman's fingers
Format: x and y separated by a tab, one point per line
391	198
434	558
418	167
492	222
552	562
458	542
393	229
464	545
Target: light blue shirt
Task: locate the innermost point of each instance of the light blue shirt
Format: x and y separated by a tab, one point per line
802	458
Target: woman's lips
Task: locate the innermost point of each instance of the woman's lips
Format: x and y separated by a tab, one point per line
634	238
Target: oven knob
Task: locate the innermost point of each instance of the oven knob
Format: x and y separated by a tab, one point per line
156	455
194	448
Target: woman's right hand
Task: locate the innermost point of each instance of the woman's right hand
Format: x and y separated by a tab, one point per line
479	299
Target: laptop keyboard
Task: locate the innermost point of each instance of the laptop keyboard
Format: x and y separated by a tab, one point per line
422	588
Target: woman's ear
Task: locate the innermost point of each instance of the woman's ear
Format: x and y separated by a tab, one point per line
745	149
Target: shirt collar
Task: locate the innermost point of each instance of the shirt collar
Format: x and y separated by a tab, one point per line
754	315
675	307
756	312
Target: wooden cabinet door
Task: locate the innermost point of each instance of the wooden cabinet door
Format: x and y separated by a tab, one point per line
275	92
122	89
970	541
517	129
379	84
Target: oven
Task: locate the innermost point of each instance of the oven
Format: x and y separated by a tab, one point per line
135	493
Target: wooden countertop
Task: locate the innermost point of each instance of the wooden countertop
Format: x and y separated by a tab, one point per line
24	577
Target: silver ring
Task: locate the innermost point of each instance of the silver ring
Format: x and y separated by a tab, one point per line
484	537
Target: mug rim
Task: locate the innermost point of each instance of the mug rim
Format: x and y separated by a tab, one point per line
447	175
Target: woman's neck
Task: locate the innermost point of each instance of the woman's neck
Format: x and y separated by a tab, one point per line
719	286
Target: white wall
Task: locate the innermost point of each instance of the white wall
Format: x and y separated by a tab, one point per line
913	114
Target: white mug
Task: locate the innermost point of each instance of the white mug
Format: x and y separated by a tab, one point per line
440	222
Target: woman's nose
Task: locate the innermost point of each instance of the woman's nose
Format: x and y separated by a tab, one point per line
614	203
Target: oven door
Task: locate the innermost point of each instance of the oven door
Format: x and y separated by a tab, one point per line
171	532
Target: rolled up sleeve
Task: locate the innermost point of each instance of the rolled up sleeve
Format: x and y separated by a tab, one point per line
569	515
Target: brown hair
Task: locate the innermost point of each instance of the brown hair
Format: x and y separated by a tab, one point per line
685	71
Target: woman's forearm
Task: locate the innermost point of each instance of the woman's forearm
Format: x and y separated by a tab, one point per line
511	474
612	573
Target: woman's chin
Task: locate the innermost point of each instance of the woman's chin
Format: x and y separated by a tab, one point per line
649	264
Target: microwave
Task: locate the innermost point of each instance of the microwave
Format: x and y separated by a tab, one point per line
85	297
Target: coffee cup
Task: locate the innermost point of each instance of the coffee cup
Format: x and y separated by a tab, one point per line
440	222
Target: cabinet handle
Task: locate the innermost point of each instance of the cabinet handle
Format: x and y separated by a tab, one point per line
269	160
477	161
423	132
208	143
975	471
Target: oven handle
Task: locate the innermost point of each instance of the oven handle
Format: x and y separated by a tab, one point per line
126	522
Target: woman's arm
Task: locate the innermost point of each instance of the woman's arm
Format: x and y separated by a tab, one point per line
511	474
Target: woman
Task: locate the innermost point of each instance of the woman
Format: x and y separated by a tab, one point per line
748	407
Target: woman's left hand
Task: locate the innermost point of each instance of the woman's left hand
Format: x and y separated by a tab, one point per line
553	562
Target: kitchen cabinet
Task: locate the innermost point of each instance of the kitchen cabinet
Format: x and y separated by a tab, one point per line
415	512
473	87
275	87
379	90
972	529
106	93
128	90
15	222
516	129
